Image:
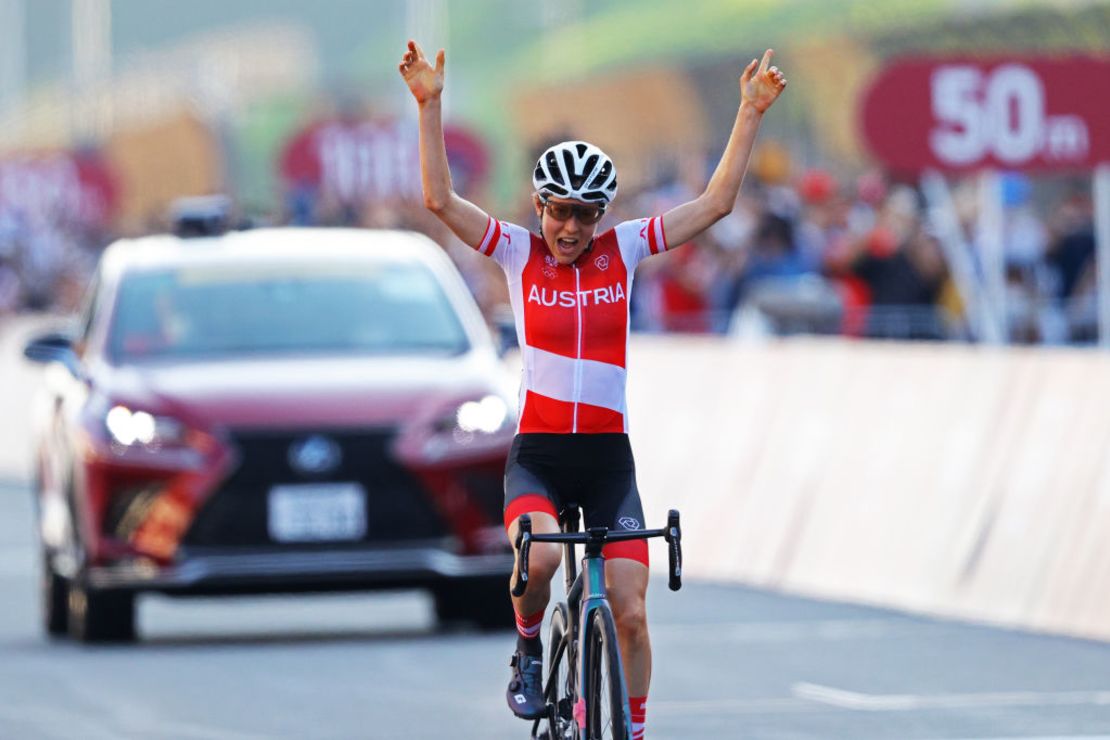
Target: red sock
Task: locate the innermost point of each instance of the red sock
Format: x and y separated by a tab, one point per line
529	627
638	705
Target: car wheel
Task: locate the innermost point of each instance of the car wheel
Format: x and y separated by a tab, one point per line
54	596
101	616
484	602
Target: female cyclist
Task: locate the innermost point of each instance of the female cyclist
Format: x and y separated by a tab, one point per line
569	289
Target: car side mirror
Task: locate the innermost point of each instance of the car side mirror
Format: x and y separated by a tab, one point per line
54	347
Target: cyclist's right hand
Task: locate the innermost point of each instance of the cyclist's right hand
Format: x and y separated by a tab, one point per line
424	81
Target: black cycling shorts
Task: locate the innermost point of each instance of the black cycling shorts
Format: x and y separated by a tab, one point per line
545	472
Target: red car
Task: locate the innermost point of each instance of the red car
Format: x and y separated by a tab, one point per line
278	410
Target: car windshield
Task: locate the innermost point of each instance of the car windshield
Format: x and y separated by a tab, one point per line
235	310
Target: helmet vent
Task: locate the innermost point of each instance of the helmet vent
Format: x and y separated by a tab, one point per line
602	175
568	161
553	168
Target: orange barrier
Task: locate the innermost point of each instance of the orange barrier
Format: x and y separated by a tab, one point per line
953	480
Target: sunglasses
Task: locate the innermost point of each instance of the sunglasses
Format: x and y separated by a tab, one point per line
586	214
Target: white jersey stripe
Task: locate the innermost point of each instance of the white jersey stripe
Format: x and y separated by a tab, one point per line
552	375
495	239
485	237
489	239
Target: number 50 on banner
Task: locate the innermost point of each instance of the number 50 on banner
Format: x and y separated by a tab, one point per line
1013	114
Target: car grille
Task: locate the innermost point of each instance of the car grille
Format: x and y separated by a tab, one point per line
398	508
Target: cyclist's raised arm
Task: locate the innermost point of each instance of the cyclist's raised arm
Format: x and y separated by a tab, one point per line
467	220
759	88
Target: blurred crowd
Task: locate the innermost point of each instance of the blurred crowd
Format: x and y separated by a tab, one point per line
862	257
45	260
811	254
858	256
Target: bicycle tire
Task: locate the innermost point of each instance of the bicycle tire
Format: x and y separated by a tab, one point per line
607	714
559	687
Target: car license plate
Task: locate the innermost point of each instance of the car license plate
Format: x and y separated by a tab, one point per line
324	512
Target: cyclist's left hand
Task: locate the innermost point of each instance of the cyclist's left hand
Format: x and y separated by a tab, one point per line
761	86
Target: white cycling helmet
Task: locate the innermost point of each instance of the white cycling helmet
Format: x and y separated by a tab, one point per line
576	170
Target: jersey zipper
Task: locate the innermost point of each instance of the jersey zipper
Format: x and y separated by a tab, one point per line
578	360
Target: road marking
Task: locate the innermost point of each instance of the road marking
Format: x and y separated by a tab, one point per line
732	706
825	630
1046	737
912	702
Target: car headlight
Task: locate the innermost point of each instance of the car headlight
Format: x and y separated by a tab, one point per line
487	415
471	425
129	428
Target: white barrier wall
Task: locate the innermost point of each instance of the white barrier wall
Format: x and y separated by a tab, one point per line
946	479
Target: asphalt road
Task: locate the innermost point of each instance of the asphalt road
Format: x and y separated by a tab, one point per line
730	663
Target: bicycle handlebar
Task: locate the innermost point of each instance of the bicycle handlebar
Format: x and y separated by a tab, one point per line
672	534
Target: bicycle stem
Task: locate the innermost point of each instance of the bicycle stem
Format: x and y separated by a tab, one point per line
595	538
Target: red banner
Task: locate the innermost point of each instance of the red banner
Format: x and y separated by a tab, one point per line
365	160
1007	113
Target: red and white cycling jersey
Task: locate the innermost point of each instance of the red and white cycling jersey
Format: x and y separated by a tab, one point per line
572	323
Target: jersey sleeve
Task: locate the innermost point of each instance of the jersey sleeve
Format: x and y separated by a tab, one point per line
641	239
507	243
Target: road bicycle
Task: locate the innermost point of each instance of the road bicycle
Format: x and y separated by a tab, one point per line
586	695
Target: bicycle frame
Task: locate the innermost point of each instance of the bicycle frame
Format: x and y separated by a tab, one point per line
585	593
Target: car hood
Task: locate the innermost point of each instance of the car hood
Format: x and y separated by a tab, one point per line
306	391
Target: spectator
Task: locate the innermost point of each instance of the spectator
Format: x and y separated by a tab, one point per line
902	270
1071	263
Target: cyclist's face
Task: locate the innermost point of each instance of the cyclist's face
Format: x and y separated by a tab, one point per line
566	239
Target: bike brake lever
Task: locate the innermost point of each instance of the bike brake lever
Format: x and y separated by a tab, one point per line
674	542
523	546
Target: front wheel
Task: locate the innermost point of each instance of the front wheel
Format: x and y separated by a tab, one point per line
607	714
559	689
